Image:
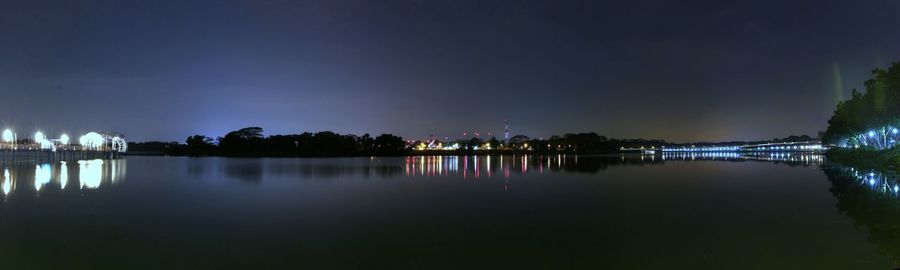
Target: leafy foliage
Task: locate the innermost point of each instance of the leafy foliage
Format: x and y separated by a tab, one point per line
251	142
877	108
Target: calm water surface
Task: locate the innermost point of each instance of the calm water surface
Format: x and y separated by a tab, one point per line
714	211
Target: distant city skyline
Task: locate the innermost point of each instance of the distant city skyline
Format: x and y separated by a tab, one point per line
683	72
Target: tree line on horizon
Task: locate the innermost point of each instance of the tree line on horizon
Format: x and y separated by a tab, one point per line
868	119
251	142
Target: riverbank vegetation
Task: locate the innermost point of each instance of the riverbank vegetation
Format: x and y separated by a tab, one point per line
864	129
870	119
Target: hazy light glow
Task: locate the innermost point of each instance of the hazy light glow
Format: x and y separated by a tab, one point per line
7	135
42	141
64	139
39	137
92	141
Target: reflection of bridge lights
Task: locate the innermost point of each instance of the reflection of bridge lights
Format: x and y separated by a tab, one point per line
90	172
42	176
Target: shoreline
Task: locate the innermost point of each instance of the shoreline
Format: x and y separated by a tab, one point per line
885	161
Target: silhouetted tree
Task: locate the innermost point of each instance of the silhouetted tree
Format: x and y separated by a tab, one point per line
199	145
388	144
245	141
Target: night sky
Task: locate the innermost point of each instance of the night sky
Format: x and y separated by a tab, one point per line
678	70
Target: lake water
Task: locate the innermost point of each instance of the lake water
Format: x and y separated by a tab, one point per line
712	211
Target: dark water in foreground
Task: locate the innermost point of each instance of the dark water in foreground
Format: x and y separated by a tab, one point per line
551	212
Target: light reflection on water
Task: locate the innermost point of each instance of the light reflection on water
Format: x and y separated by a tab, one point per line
63	174
42	176
589	210
477	167
91	174
94	174
870	198
7	184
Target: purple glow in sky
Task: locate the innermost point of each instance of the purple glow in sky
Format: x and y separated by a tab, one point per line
704	70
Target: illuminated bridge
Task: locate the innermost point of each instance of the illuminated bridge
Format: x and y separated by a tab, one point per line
807	147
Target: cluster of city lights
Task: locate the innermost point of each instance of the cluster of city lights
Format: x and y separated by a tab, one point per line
436	145
880	138
90	141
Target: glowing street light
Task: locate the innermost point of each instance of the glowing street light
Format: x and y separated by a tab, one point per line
64	139
39	137
7	135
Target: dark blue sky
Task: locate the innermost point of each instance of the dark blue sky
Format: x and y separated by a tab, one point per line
678	70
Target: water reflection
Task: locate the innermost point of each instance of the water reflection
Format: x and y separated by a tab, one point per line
253	170
91	174
63	174
7	184
802	159
487	166
42	176
247	170
871	199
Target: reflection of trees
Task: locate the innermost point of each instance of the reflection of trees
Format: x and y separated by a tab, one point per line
326	171
252	169
871	200
248	170
595	164
328	168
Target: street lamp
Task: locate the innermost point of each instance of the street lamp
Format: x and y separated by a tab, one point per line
39	137
7	135
64	139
